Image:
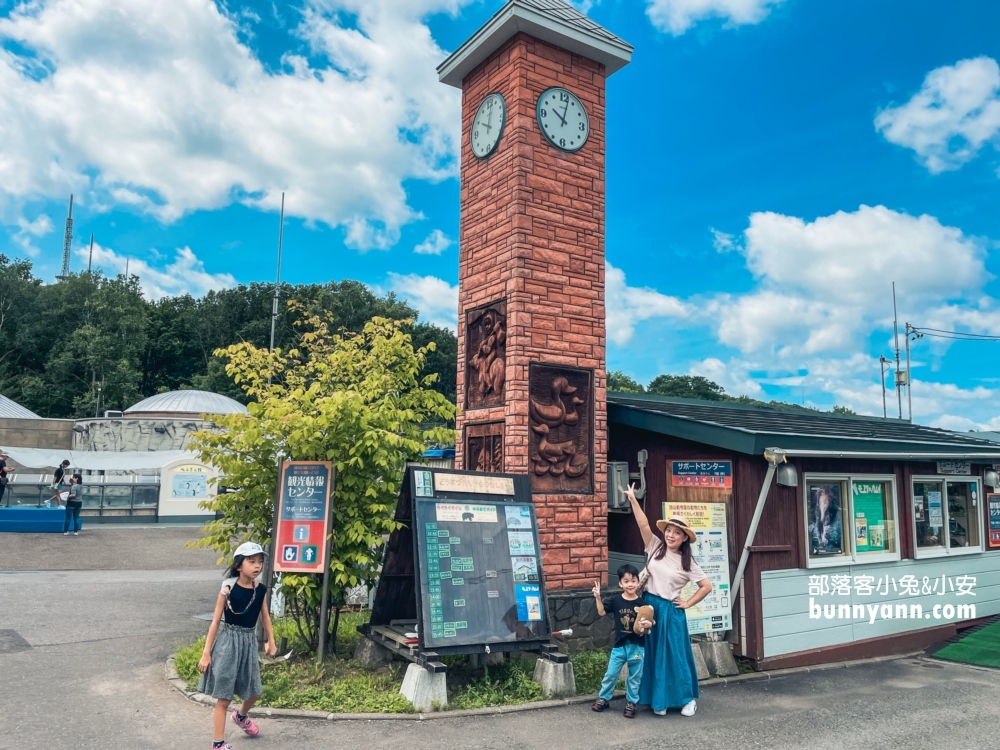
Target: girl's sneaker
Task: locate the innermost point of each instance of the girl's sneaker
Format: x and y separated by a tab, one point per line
247	725
227	746
629	712
600	705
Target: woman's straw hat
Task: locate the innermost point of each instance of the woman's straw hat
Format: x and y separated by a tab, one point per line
678	522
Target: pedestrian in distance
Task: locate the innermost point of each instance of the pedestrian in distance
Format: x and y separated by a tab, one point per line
57	483
669	676
630	631
74	502
230	664
5	472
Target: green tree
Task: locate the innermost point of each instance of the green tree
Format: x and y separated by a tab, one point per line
355	399
687	386
619	382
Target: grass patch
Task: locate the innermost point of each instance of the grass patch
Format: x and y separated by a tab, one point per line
981	648
342	686
506	684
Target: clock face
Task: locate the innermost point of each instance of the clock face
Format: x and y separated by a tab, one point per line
487	125
563	119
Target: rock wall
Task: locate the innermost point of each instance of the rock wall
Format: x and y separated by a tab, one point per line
577	609
139	434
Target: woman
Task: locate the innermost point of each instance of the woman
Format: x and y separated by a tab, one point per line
669	676
74	501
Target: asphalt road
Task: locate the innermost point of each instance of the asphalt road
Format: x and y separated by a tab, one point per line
88	673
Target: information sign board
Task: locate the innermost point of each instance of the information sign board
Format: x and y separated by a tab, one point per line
303	517
480	577
711	474
711	552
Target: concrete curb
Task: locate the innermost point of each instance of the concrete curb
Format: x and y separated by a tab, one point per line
174	680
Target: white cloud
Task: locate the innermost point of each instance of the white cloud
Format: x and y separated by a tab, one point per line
677	16
722	242
955	113
733	376
826	284
434	298
186	275
160	106
29	231
435	244
625	305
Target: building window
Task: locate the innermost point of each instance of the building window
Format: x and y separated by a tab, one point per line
947	516
850	519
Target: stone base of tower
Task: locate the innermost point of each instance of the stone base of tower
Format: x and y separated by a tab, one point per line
576	609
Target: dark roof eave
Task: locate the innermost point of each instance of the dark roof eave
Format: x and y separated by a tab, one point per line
687	429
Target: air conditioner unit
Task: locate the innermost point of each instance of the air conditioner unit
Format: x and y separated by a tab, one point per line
114	414
617	479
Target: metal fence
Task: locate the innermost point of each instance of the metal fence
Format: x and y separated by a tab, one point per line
127	495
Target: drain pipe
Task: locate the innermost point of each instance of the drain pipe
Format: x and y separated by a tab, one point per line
774	457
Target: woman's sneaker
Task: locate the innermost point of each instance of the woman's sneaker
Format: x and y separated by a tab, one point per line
689	708
629	712
247	725
600	705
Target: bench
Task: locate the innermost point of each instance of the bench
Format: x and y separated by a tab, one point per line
32	519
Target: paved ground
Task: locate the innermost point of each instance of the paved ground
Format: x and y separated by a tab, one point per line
90	676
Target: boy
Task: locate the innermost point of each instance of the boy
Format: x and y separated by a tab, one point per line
628	645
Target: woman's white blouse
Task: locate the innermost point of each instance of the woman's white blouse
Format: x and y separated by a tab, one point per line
666	576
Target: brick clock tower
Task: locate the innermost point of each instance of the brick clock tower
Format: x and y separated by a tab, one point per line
531	338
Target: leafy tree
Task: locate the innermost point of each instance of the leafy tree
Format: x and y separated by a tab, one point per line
356	399
843	410
619	382
687	386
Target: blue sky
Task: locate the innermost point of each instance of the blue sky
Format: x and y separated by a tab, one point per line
773	165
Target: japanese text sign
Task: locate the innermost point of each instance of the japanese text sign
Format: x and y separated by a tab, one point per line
718	474
303	517
993	504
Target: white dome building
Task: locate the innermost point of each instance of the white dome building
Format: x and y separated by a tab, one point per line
181	404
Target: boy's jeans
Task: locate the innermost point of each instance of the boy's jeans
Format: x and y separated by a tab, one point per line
630	654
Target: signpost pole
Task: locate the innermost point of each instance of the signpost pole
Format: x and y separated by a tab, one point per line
269	561
324	607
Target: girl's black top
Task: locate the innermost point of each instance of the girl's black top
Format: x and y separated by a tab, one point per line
247	602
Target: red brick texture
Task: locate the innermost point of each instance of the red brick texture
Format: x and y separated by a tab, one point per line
532	232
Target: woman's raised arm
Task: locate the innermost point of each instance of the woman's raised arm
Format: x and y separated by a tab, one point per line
640	516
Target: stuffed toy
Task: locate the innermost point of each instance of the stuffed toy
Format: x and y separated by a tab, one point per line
645	612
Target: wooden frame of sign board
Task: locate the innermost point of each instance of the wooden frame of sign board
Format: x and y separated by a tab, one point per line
400	597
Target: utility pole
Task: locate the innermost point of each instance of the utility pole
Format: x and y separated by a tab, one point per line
910	331
895	329
277	280
90	259
882	362
67	243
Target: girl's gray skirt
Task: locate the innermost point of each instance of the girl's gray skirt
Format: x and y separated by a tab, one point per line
235	668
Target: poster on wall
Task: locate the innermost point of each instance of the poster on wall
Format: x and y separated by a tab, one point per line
711	474
869	517
935	513
190	481
826	534
711	552
993	504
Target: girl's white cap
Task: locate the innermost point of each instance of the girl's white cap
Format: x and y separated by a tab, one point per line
249	548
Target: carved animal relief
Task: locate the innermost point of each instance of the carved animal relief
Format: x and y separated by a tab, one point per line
484	447
486	355
561	431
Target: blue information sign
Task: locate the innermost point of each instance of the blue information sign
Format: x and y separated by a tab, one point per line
304	492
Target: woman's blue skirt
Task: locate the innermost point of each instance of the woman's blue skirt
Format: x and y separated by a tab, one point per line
669	676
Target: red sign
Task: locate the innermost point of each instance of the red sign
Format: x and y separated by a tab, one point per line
303	517
711	474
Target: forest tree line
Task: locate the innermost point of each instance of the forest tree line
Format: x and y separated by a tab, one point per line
64	345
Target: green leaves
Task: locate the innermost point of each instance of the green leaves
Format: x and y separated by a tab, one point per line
357	400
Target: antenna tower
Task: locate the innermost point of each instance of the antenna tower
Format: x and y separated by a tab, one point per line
67	243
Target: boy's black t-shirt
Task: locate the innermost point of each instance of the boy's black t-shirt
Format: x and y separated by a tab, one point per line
623	612
239	599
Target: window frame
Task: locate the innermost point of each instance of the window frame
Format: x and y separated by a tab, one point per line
948	550
851	555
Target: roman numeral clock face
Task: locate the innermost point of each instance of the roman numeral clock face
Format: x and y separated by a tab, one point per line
487	125
563	119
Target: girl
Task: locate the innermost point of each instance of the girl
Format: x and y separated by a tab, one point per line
229	663
669	677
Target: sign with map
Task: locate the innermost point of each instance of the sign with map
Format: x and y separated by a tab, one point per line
711	552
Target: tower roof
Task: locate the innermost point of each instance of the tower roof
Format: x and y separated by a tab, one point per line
553	21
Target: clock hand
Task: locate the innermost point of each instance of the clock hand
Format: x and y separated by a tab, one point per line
565	110
561	116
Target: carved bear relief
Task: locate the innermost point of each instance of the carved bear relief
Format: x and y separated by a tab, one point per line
560	429
486	355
